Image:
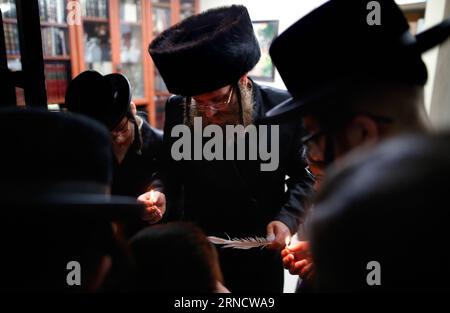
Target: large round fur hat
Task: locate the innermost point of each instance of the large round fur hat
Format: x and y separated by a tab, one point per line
206	52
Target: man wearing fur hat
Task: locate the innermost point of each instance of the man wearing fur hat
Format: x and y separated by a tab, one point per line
204	60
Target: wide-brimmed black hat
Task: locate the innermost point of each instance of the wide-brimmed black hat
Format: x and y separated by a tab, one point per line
340	44
206	52
104	98
61	163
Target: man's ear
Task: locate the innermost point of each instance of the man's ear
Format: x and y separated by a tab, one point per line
244	80
133	108
363	130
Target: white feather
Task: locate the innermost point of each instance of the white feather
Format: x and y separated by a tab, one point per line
240	243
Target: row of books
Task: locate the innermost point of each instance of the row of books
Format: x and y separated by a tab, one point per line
54	41
11	38
56	80
52	11
95	8
8	8
130	10
161	20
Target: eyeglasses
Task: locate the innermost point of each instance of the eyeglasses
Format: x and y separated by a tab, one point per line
203	106
310	174
121	129
312	150
311	147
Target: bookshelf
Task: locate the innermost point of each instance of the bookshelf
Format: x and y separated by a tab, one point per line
113	37
56	48
11	33
164	14
132	46
95	37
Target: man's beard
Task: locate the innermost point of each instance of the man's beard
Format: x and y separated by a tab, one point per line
121	150
233	114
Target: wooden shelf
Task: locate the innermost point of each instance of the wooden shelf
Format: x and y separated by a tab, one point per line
56	58
137	24
140	102
55	100
162	5
94	19
9	21
54	24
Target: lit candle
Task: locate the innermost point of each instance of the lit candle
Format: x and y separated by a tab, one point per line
152	196
288	241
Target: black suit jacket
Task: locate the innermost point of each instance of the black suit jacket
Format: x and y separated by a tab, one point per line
237	199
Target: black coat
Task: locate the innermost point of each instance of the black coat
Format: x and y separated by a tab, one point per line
135	174
236	198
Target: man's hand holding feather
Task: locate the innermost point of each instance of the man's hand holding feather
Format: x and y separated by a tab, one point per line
277	232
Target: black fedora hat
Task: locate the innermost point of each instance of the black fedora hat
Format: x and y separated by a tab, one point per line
105	98
61	163
335	46
206	52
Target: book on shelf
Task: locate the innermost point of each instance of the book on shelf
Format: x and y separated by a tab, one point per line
130	11
161	20
54	41
52	11
103	8
11	39
95	8
8	8
56	80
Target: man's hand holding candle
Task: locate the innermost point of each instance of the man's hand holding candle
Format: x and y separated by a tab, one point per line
155	203
297	259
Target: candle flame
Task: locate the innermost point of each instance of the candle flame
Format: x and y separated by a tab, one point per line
152	196
288	241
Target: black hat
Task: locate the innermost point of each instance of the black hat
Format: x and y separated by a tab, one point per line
334	46
61	160
206	52
104	98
